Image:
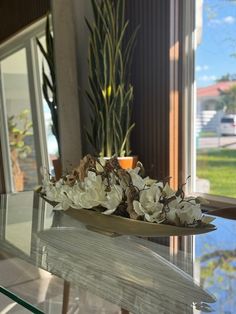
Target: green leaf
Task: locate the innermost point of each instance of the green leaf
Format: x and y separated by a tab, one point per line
16	130
20	144
46	81
128	54
120	15
110	122
126	139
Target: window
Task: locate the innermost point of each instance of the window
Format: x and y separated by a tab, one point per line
227	120
23	114
19	121
215	118
51	139
214	138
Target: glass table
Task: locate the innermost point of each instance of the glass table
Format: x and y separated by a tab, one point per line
51	263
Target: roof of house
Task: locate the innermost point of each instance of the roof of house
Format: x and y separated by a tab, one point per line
214	90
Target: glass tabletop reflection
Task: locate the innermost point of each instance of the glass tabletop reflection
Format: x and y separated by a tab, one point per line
55	263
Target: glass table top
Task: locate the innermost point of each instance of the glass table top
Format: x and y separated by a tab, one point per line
54	263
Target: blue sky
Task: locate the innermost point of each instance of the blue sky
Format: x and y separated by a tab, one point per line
213	57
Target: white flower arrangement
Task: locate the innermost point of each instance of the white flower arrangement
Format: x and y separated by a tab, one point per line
103	186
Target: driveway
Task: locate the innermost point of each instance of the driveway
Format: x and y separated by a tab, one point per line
214	142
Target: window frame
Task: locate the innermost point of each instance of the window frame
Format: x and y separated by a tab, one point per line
25	39
189	96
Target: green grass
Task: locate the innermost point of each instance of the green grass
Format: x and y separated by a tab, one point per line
219	167
207	134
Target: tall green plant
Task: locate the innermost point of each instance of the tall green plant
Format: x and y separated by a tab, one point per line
49	80
110	94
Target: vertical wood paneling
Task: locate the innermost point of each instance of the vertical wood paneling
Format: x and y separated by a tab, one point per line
150	77
17	14
155	76
174	94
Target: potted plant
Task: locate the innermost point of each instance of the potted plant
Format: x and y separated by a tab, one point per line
49	88
110	93
19	127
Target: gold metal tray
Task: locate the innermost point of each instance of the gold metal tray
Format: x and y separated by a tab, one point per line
124	226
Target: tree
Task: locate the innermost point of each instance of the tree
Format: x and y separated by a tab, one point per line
218	275
228	99
227	78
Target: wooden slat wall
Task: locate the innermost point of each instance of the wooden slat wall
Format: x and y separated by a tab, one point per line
17	14
156	77
174	94
150	77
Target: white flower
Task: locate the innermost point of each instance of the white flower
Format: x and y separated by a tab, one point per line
74	195
149	205
149	182
150	214
170	211
207	219
157	202
189	212
137	180
59	193
113	199
92	193
150	195
167	191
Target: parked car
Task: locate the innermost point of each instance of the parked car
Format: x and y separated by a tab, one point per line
228	125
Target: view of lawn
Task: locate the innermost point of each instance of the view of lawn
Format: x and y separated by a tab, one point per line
219	167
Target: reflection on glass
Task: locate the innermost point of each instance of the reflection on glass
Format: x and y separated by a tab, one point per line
216	98
7	305
51	139
216	264
19	221
17	100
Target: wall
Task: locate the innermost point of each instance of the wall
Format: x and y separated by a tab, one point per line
150	77
66	58
82	9
17	14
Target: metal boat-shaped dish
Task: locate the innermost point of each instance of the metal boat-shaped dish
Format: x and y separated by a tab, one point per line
125	226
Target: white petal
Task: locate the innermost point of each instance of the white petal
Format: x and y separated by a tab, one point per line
188	213
207	219
134	171
171	216
138	208
109	211
137	180
102	161
58	207
168	191
99	168
148	181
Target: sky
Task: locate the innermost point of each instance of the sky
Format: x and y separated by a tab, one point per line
214	54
